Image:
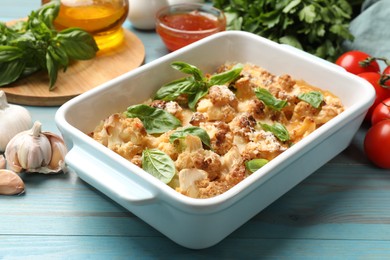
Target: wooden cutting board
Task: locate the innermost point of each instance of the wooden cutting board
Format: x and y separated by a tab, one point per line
80	76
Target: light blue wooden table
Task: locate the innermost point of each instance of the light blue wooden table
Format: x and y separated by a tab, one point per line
342	211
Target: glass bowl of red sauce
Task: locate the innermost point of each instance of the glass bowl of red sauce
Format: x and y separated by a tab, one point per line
181	24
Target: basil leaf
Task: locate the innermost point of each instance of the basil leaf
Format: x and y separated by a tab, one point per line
188	69
77	43
48	12
278	130
59	55
255	164
193	99
9	53
172	90
158	164
191	130
269	100
314	98
52	69
226	76
11	71
155	120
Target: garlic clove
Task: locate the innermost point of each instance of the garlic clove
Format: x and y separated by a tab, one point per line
10	183
2	162
59	150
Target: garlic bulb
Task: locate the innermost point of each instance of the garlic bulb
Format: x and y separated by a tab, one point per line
36	151
13	120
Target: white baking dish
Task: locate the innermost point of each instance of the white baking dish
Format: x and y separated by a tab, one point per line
196	223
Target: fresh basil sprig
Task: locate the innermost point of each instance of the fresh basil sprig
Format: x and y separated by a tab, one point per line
269	100
255	164
158	164
34	45
279	130
191	130
196	85
314	98
155	120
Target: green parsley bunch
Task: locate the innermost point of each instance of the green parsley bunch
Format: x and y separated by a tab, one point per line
315	26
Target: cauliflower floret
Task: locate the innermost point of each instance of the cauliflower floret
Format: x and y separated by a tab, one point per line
123	135
188	181
163	144
234	171
331	108
221	95
286	82
221	137
197	118
243	125
263	145
171	107
219	104
194	156
245	90
214	113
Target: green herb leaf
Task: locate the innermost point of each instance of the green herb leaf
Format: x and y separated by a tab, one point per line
191	130
255	164
155	120
279	130
52	69
305	24
314	98
269	100
174	89
77	43
9	53
158	164
193	99
195	86
10	71
188	69
226	76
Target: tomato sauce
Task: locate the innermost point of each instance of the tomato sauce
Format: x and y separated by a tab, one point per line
179	30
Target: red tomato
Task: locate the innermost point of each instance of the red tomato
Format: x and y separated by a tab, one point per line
381	92
350	61
377	144
381	111
386	76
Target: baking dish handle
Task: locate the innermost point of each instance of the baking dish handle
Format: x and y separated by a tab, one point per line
311	56
106	179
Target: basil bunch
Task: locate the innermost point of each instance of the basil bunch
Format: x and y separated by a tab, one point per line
316	26
34	45
196	85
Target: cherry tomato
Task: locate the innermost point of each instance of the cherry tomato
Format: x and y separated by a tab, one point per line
381	92
377	144
386	76
381	111
350	61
